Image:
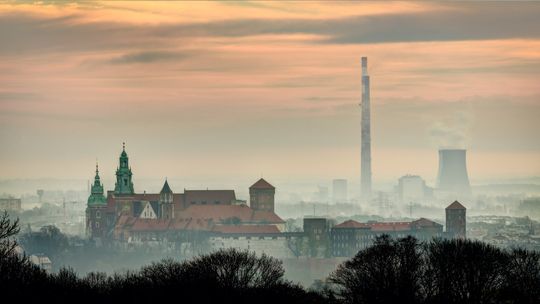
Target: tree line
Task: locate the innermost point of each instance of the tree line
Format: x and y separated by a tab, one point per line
391	271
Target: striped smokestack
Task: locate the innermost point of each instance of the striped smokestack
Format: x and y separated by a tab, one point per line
365	154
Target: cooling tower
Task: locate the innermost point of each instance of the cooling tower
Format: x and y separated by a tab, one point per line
453	175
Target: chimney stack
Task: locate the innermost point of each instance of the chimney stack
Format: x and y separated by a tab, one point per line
365	157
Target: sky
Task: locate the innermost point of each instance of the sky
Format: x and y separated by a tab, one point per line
224	90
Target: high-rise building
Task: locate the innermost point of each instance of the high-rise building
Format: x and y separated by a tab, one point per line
456	220
339	190
365	179
411	188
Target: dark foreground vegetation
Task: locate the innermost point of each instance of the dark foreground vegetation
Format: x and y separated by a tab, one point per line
391	271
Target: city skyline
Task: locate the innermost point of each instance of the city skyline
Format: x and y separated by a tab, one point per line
209	90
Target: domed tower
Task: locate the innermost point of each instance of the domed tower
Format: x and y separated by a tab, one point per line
95	210
123	185
166	206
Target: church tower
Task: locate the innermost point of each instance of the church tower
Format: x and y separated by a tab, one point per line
123	185
95	210
166	205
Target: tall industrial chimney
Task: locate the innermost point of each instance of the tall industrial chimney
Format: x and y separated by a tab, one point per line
453	177
365	178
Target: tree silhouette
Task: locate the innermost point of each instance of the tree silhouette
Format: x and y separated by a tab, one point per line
8	229
463	271
522	277
387	272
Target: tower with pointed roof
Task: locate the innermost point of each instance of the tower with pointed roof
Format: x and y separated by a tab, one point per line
166	204
95	209
456	220
124	184
261	196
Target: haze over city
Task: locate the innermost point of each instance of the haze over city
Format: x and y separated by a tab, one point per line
329	152
243	89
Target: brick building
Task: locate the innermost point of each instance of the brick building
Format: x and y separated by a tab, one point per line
456	221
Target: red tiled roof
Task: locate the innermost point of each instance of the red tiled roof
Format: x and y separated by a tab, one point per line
351	224
209	196
150	225
266	217
262	184
219	213
246	229
423	222
390	226
456	205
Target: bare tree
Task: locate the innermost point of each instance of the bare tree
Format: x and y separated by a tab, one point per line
231	268
8	229
522	277
463	271
387	272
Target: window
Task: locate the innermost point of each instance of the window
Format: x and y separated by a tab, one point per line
125	182
98	214
97	225
216	202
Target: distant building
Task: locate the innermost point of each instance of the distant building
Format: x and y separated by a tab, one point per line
351	236
317	233
42	261
456	220
412	188
10	204
339	190
322	194
316	228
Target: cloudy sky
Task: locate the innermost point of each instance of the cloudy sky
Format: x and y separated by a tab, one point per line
239	89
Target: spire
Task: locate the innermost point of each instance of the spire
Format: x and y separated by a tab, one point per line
124	184
96	193
166	188
123	154
97	179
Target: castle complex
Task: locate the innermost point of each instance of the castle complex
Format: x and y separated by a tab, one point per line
124	215
196	221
